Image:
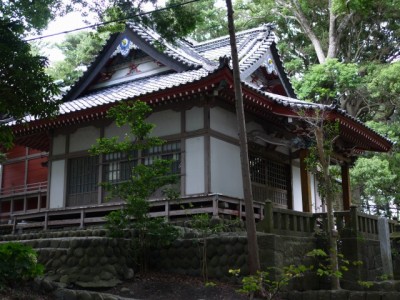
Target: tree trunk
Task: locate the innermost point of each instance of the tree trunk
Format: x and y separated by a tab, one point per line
324	159
333	34
253	255
307	28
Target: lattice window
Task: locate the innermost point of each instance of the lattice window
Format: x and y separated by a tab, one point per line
277	175
82	181
118	166
169	151
257	169
270	180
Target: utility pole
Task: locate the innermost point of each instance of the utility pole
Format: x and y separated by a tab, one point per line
253	255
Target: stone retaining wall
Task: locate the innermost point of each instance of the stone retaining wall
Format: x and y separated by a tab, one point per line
184	256
86	261
226	252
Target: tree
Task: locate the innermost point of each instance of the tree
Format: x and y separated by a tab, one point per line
341	52
79	50
142	182
252	244
376	177
24	86
212	23
323	134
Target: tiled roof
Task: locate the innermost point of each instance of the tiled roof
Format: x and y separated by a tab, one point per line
202	61
252	47
129	90
176	53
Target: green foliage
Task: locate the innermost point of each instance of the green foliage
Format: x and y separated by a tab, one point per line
30	14
143	181
262	284
383	85
212	21
24	86
206	226
328	82
376	176
178	21
18	263
324	264
365	284
323	135
79	50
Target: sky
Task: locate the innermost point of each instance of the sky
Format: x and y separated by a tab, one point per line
70	21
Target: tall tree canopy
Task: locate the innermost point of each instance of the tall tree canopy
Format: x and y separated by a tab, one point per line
24	86
79	49
342	52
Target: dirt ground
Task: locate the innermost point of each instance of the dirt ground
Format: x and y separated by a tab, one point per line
152	286
161	286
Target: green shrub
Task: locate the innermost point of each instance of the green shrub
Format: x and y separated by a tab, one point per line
18	263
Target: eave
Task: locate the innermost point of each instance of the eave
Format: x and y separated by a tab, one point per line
270	106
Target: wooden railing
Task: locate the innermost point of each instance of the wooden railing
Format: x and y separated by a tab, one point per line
348	223
269	219
24	189
214	204
286	222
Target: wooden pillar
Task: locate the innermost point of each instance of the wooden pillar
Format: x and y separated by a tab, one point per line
305	182
346	187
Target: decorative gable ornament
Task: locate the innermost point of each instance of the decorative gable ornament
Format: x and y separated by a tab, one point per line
270	65
125	46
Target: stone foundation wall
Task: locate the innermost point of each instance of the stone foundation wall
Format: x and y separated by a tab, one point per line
184	256
368	252
277	252
83	260
226	252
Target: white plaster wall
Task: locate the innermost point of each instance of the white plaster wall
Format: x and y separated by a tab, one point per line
223	121
296	184
113	130
83	138
253	126
57	184
226	174
194	118
316	199
167	122
194	155
59	144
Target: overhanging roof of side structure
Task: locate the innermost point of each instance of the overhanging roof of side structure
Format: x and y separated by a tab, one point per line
188	69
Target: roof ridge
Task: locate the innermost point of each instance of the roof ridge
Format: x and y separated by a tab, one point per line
143	29
262	27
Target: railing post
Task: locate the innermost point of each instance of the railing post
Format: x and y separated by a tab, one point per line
82	223
46	220
215	206
267	224
167	210
354	219
14	225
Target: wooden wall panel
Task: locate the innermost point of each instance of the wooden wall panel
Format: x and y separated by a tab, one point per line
13	175
36	171
5	206
16	151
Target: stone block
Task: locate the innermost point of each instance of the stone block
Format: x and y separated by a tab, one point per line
355	295
391	296
65	294
339	295
64	279
373	296
104	275
79	252
84	295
